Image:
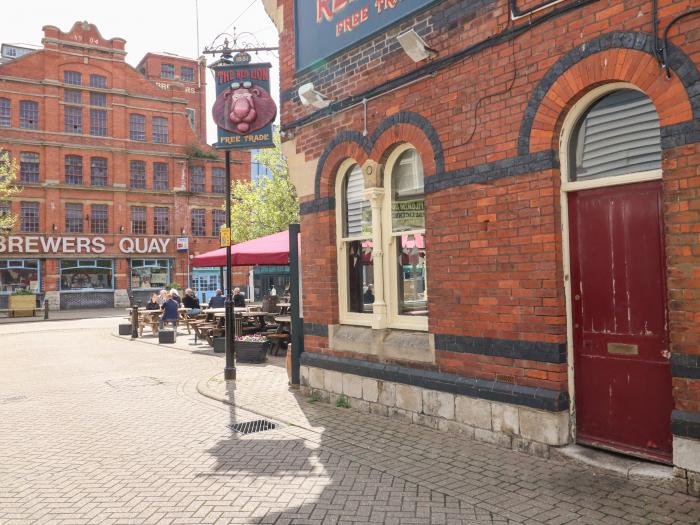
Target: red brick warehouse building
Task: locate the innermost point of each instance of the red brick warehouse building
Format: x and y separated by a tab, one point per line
500	224
114	167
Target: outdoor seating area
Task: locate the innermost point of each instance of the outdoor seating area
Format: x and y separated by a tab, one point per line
267	320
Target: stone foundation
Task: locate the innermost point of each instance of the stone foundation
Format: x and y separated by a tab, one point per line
519	428
686	458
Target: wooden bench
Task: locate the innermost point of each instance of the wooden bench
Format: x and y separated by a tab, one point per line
277	340
10	312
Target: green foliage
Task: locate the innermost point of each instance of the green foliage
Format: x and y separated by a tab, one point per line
194	151
266	207
8	178
315	397
170	286
342	402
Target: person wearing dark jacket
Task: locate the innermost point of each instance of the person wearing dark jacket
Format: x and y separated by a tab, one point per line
170	312
190	301
218	301
153	303
238	298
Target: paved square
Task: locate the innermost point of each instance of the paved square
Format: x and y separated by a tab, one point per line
100	429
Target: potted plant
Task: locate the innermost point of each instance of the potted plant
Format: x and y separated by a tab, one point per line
22	303
252	348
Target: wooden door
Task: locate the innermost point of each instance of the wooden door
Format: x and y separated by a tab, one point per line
618	294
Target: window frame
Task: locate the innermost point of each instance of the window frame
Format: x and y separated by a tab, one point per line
137	127
133	221
23	164
73	120
157	173
98	126
24	217
190	77
98	81
99	219
198	219
390	247
32	107
140	182
94	176
5	112
342	243
70	76
158	227
160	130
203	180
73	223
167	75
68	170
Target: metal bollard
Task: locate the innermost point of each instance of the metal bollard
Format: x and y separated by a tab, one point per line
46	309
134	322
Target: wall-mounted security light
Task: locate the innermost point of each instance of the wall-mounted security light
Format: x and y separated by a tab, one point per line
414	46
310	97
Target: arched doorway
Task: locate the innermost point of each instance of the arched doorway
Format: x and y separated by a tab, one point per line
615	268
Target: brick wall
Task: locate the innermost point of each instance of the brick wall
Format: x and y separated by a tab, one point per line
490	150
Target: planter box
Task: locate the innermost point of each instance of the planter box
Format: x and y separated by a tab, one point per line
219	345
22	305
247	352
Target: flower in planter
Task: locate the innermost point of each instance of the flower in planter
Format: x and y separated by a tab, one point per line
252	338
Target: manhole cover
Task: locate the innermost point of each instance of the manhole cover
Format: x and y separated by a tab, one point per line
251	427
134	382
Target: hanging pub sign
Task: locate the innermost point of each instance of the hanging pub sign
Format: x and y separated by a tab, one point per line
326	27
244	110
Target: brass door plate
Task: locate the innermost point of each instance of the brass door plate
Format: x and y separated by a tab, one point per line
623	349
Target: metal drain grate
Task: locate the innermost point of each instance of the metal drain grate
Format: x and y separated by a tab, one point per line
251	427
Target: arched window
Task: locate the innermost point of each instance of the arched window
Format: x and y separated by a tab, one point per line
355	246
407	236
618	135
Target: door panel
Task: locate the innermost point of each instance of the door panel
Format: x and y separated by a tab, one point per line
622	371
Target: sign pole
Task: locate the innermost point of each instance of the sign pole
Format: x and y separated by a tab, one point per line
230	367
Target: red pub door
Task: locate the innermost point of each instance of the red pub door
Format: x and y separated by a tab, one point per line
618	294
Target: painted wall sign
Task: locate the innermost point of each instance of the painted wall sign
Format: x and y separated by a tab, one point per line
244	110
31	244
325	27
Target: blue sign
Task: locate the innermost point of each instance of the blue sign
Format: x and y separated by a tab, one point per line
325	27
243	110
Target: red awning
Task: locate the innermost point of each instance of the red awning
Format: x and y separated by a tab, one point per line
271	249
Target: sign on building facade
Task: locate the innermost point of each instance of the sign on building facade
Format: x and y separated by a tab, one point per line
326	27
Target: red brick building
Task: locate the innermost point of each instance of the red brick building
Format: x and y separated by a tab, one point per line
501	234
114	167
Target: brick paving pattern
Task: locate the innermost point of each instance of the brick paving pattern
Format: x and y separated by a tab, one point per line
100	429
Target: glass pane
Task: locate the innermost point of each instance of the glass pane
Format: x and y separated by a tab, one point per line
15	279
407	199
619	134
150	276
360	276
81	278
411	257
358	213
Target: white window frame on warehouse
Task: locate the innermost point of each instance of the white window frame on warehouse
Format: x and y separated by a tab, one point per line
385	312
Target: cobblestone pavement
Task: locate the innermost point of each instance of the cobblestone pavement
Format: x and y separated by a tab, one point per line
100	429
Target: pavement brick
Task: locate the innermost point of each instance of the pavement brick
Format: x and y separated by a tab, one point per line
101	429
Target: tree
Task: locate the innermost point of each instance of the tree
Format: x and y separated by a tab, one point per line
268	206
8	177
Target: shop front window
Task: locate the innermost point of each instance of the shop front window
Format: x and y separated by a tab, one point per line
19	275
149	273
87	274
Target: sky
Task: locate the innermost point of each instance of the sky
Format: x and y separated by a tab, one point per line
152	26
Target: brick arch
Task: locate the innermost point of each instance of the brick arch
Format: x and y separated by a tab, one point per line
345	145
412	128
614	57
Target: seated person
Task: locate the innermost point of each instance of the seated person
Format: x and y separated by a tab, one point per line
218	301
191	301
153	303
176	296
170	312
238	298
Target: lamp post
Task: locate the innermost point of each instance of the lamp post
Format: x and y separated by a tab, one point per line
230	366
